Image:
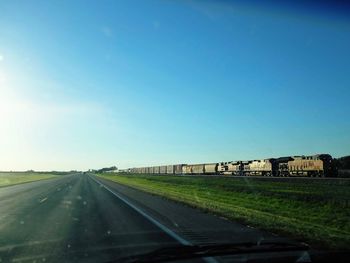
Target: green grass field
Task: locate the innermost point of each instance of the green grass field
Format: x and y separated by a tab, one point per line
12	178
315	211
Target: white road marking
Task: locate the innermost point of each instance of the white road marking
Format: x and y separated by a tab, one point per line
43	200
154	221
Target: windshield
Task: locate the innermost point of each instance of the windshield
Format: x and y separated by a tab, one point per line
174	130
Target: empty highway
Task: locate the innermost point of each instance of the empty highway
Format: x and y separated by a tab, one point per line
83	218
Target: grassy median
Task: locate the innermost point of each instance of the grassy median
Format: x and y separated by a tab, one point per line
12	178
315	211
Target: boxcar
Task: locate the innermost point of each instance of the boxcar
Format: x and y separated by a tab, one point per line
187	169
156	169
170	169
210	168
162	169
198	169
178	168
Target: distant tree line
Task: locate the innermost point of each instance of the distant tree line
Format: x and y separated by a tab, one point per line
107	169
50	172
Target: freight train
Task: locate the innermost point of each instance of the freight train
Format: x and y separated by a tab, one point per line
320	165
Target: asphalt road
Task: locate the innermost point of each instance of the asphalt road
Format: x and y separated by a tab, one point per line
82	218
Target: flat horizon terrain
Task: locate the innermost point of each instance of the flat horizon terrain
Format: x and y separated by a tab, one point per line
13	178
315	211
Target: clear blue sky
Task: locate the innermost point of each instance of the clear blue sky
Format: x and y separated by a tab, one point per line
88	84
